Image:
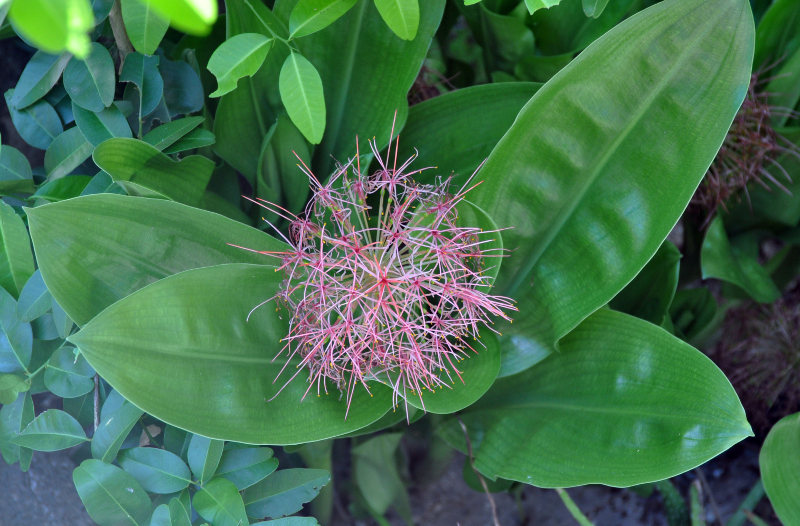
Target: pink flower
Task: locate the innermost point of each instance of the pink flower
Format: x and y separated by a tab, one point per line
382	283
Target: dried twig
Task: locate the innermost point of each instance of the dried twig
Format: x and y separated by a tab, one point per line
495	519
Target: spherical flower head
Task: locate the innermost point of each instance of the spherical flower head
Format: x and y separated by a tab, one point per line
383	283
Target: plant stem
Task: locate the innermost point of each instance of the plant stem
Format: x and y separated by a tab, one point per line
96	401
124	45
573	508
495	519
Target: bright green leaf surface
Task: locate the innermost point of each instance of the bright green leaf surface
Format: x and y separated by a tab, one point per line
51	431
60	189
190	16
588	202
54	26
780	468
284	492
301	92
169	133
41	73
402	16
111	496
534	5
68	375
157	470
66	152
144	26
204	455
143	170
246	466
309	16
90	83
16	258
736	263
100	126
117	418
239	56
594	8
15	172
228	377
197	138
623	403
38	124
219	503
131	242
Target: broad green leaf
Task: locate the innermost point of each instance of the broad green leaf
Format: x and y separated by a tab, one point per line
101	9
110	495
622	403
60	189
169	133
301	92
67	374
82	265
90	83
650	293
534	5
38	124
100	126
375	471
183	90
178	513
51	431
204	455
62	322
289	521
117	418
142	71
780	468
402	16
16	337
278	178
4	6
13	419
456	131
594	8
219	503
784	89
157	470
588	203
152	325
15	172
11	384
197	138
190	16
352	108
161	516
506	35
240	56
284	492
143	25
691	312
736	263
41	73
143	170
777	36
66	152
54	26
309	16
16	258
246	466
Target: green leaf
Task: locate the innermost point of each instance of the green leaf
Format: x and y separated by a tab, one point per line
402	16
98	127
152	325
16	258
246	466
309	16
289	521
588	202
204	455
301	92
41	73
67	374
54	26
650	293
198	138
11	384
284	492
15	172
142	71
456	131
144	26
142	170
278	175
375	471
34	300
594	8
178	513
240	56
190	16
183	90
117	418
16	338
13	419
101	9
776	37
736	263
82	265
169	133
110	495
90	83
784	89
38	124
219	503
51	431
780	468
632	399
66	152
535	5
157	470
60	189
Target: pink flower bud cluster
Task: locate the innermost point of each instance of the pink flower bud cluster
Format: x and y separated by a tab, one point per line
383	282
